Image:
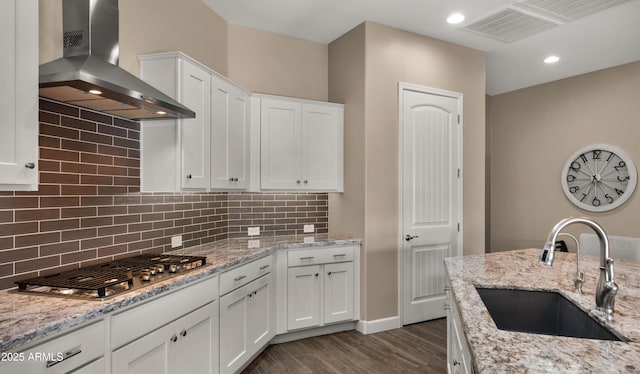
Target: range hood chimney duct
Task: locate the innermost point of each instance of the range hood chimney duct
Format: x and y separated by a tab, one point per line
88	74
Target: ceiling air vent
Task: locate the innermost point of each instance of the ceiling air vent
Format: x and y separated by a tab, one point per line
572	9
511	24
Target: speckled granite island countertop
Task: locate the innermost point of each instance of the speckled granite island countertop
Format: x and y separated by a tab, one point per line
24	318
498	351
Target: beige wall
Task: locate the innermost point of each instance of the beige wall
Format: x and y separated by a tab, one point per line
266	62
346	85
187	25
535	130
393	56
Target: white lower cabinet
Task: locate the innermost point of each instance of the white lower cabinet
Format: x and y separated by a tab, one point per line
322	292
176	333
79	351
458	355
185	345
247	315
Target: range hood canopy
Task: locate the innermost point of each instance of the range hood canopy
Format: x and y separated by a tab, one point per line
88	74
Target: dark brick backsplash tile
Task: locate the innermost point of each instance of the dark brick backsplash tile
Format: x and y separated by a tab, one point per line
37	264
56	107
89	208
79	146
78	123
60	132
56	249
95	116
18	202
79	234
78	256
78	190
58	225
49	142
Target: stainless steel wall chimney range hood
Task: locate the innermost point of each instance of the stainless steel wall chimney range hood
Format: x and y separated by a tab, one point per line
89	76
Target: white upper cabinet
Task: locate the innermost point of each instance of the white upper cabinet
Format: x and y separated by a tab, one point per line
229	136
301	145
195	94
19	95
208	152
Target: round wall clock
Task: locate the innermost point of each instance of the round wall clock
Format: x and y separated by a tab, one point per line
599	177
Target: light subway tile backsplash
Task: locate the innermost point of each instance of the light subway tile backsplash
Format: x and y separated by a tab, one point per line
89	208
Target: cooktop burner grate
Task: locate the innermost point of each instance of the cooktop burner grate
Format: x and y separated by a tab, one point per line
114	277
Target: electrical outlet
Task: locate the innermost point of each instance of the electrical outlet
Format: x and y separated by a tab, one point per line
308	239
176	241
254	243
253	231
309	229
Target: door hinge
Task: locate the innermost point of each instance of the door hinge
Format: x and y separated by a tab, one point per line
458	226
458	119
458	172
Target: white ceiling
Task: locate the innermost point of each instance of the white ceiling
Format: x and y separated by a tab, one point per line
604	39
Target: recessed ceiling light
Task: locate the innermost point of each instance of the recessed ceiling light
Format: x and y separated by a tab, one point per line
161	112
551	59
95	92
455	18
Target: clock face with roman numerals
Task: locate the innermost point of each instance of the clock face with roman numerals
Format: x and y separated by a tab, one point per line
599	177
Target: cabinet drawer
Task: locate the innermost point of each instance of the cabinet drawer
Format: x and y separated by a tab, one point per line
316	256
244	274
140	320
62	354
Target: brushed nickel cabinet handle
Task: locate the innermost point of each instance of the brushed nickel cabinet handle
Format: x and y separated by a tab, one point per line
68	354
239	278
174	338
306	258
189	176
264	267
183	333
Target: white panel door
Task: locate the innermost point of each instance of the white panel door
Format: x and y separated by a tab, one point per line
195	94
19	94
430	148
233	330
322	147
303	297
338	292
229	136
280	145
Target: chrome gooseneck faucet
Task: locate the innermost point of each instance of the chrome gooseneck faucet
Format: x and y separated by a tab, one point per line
606	289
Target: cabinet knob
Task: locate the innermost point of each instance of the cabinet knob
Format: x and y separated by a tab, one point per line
30	165
235	179
174	338
455	362
298	181
230	179
306	181
410	237
188	176
183	333
329	273
317	275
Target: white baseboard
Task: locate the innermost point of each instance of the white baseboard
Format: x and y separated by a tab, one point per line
378	325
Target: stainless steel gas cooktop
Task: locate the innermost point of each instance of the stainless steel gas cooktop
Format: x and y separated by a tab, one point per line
101	281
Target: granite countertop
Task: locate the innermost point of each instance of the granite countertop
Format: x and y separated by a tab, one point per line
498	351
24	318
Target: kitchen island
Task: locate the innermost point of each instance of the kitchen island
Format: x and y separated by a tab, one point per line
497	351
25	318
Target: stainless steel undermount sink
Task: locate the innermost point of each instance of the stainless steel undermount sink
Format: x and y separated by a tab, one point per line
541	312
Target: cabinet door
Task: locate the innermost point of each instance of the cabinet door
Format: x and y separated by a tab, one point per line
280	146
195	93
19	94
322	147
233	330
303	297
338	292
167	350
260	313
196	349
229	136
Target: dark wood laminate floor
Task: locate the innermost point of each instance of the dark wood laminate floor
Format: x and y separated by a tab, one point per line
418	348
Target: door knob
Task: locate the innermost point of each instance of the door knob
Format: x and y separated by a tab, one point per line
410	237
